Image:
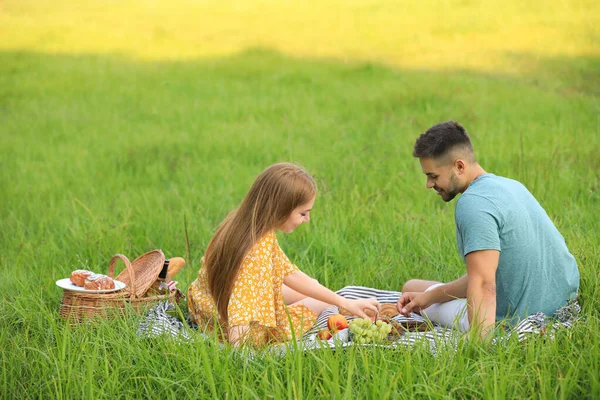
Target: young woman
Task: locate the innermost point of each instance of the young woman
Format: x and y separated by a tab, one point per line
247	287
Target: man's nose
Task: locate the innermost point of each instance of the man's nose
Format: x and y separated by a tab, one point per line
430	184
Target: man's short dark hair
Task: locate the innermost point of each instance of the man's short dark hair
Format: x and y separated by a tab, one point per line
440	139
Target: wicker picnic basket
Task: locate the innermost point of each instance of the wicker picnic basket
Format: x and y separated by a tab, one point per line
138	276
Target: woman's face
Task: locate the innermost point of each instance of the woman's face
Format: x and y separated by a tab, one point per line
299	215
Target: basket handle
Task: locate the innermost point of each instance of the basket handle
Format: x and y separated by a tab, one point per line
128	267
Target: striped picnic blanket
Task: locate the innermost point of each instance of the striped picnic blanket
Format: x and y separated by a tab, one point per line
158	322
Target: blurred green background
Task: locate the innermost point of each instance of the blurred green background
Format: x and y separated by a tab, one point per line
124	122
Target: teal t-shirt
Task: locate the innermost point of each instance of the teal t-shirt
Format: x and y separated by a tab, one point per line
536	271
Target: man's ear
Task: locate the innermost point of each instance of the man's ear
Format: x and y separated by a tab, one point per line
460	166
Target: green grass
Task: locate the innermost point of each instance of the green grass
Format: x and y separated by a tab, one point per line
120	120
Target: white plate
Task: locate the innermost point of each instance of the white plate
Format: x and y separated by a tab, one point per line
68	285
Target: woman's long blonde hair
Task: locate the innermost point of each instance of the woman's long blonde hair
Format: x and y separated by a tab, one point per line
276	192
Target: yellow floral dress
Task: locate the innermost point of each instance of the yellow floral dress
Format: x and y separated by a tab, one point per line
256	299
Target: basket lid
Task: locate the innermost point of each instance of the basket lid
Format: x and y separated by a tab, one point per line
145	271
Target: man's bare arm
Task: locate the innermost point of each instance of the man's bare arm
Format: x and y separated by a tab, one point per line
481	290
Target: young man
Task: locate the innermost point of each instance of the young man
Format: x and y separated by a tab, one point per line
517	262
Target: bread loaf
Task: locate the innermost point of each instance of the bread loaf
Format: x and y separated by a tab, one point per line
175	264
99	282
79	276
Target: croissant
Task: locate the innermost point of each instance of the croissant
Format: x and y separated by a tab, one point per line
79	276
388	310
99	282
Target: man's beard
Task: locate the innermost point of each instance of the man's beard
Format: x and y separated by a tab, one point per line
452	191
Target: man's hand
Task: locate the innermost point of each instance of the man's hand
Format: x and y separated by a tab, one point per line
413	302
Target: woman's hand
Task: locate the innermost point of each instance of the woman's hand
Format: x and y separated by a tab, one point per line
357	307
237	334
304	284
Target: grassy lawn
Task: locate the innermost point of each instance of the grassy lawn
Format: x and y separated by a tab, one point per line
121	119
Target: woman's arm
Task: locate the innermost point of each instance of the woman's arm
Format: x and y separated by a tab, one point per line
306	285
